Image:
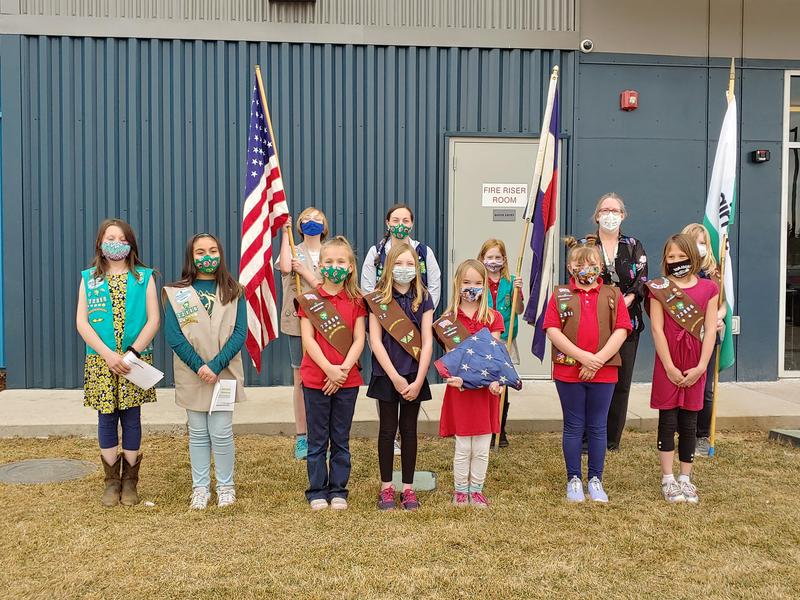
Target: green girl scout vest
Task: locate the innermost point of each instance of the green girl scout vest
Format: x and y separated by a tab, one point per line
101	317
504	291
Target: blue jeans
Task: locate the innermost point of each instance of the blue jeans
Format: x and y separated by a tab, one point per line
585	408
107	428
328	419
207	433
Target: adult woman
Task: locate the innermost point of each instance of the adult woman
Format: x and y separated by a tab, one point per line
625	264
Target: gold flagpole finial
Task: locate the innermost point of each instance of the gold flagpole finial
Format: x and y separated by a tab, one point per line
732	80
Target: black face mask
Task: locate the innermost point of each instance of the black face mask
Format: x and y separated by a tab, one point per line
680	269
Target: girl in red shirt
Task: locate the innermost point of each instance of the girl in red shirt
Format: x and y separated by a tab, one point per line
679	372
330	381
586	322
471	415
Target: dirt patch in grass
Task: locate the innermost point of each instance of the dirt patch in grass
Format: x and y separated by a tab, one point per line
742	541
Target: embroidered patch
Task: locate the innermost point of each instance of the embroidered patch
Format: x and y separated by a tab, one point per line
183	295
188	315
94	283
660	284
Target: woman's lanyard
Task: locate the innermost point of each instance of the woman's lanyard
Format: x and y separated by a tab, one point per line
610	262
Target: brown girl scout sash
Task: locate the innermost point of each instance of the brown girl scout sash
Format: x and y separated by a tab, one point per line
394	320
678	305
569	309
326	320
449	331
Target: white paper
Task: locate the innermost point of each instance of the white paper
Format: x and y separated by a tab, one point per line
141	373
223	396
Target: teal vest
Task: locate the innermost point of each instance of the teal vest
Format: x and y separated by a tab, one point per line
504	290
101	316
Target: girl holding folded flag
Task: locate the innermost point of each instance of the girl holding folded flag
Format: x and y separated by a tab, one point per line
399	366
332	324
471	415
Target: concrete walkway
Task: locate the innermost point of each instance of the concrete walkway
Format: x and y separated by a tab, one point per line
268	410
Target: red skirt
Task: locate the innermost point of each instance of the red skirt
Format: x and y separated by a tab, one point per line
469	412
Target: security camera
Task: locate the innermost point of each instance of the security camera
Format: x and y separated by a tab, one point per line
587	46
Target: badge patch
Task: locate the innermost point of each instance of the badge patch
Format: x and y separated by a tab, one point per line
183	295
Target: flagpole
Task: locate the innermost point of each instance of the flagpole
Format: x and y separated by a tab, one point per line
533	192
277	160
712	438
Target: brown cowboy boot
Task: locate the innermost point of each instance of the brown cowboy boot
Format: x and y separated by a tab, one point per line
113	482
130	478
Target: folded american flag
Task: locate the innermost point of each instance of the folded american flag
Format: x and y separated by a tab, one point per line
479	360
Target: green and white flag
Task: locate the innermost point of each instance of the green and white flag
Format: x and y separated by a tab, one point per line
720	211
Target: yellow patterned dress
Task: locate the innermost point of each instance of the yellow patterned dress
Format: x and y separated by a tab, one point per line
103	390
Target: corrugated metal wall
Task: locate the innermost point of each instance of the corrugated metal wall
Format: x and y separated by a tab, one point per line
154	132
535	15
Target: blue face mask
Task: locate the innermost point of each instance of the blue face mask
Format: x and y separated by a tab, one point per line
312	228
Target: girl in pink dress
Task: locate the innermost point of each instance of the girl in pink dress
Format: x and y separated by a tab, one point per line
679	372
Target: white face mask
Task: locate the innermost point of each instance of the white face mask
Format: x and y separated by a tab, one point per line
702	249
404	274
610	221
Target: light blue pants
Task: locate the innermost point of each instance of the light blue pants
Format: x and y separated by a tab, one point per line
209	432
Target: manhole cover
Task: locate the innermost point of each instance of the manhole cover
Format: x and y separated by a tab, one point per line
45	470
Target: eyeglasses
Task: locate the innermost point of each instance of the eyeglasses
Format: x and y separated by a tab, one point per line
610	211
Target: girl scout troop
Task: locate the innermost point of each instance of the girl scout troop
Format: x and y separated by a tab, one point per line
328	322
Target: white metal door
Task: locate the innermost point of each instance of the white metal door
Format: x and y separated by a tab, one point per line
507	162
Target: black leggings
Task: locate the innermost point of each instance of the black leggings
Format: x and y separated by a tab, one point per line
389	421
685	423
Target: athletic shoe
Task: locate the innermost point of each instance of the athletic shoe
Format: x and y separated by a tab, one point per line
200	498
702	447
575	490
460	499
397	451
226	495
301	447
672	492
408	500
596	491
386	499
689	491
318	504
478	500
338	503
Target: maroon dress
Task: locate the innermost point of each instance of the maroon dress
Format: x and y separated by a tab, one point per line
685	350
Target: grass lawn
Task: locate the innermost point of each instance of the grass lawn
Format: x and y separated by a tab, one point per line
742	541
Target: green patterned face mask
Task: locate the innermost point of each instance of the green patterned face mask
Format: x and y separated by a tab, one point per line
400	231
207	264
335	274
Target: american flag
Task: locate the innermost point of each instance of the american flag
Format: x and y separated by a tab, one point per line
543	219
265	212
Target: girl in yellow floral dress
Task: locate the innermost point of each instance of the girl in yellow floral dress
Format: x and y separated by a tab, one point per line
117	312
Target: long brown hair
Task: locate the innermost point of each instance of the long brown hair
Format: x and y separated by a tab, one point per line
100	263
351	283
386	282
228	289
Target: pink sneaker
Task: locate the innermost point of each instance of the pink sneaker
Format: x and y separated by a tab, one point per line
408	500
386	499
478	500
460	499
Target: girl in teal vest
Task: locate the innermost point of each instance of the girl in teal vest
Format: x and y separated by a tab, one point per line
502	286
117	312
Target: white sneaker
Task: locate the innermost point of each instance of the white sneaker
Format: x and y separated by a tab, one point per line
397	450
318	504
338	503
596	491
689	491
200	498
575	490
672	492
226	495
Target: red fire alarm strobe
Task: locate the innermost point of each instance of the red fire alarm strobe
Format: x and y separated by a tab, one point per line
629	100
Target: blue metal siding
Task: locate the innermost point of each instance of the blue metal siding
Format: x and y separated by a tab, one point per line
154	132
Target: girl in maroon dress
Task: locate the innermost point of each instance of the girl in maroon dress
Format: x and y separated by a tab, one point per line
472	416
679	372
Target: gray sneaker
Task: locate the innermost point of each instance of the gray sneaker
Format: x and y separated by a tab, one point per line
575	490
672	492
702	447
689	492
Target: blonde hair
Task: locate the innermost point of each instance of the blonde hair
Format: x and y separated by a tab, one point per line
581	250
386	282
493	243
484	315
306	215
603	198
707	263
685	244
350	284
